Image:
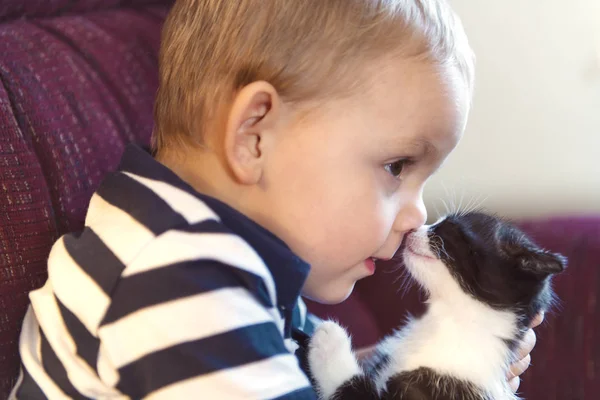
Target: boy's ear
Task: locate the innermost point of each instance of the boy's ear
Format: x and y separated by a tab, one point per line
252	116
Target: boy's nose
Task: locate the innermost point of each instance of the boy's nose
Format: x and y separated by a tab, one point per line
412	216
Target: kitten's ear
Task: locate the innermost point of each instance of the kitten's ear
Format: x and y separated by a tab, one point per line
543	263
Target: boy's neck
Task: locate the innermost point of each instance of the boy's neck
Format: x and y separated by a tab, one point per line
202	169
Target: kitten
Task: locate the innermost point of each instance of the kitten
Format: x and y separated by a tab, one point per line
485	282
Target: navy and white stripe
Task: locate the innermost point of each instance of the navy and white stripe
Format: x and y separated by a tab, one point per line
165	294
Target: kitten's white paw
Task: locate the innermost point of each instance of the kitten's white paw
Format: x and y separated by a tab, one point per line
331	359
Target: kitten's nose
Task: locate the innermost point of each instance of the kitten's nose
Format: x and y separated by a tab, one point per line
417	243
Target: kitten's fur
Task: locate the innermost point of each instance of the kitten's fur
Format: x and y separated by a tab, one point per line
485	281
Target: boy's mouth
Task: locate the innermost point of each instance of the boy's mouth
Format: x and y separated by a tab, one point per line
370	264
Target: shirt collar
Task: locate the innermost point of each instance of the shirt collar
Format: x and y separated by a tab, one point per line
288	270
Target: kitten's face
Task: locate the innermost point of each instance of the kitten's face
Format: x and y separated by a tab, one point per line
485	258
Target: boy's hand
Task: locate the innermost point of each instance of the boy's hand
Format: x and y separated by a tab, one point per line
364	353
527	345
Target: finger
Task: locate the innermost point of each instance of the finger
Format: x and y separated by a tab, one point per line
537	320
514	384
365	352
527	344
518	368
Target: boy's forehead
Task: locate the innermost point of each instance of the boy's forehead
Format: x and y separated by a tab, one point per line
420	105
419	88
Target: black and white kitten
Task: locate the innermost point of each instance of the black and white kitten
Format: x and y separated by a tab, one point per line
485	282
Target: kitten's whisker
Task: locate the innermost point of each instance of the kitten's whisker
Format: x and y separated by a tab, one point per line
438	251
445	189
454	201
460	203
440	242
448	210
480	201
446	206
436	209
469	206
406	284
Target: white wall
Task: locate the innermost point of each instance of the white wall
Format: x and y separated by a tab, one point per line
532	146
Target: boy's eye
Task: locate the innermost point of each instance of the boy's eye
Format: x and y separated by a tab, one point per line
395	168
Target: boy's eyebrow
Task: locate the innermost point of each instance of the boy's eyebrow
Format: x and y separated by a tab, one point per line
424	144
420	146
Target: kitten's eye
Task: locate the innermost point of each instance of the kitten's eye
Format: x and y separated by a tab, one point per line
395	168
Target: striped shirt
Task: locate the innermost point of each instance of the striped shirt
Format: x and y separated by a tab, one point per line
165	294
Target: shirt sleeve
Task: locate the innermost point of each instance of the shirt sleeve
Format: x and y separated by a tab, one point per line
197	328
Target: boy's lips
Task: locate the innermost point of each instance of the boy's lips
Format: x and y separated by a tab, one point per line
370	264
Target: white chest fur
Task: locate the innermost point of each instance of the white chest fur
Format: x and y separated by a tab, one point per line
464	339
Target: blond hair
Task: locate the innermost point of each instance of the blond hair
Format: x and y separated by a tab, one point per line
307	49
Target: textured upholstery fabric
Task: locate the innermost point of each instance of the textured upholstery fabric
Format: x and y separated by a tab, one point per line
73	90
13	9
77	81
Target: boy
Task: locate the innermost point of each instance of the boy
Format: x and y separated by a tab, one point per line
292	144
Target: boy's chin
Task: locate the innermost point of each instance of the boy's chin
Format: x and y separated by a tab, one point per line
333	294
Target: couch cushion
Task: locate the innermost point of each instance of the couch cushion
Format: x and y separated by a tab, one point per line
10	9
73	91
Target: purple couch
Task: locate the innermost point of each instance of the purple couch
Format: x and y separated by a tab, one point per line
77	81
